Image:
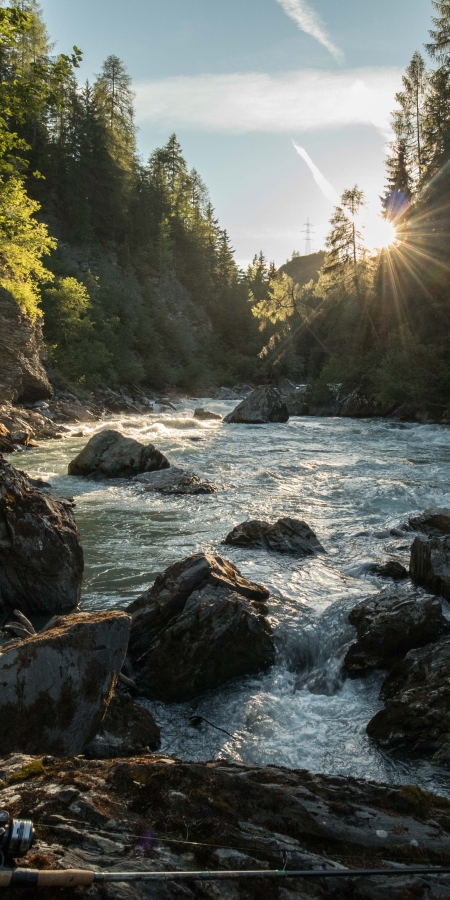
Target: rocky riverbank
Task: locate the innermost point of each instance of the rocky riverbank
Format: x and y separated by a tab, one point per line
155	813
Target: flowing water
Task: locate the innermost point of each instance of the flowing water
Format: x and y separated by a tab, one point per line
352	481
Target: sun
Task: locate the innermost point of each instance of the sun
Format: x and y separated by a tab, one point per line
380	233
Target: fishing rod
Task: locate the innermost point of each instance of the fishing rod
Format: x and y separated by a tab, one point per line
70	878
17	837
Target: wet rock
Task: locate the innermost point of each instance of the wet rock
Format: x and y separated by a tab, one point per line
390	569
6	442
415	719
296	404
265	404
137	814
22	373
56	685
224	393
127	730
201	624
283	536
361	405
205	415
433	522
109	454
32	425
41	559
295	397
390	625
70	411
430	564
174	481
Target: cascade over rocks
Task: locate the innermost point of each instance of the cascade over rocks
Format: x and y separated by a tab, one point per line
174	481
127	729
56	685
430	564
200	624
96	815
22	374
415	719
265	404
41	559
389	625
283	536
109	454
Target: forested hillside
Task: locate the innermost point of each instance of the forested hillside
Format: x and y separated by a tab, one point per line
136	280
381	322
139	281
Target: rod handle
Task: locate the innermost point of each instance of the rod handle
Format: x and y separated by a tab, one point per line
65	878
48	878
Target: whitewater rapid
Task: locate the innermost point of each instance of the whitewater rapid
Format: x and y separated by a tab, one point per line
352	481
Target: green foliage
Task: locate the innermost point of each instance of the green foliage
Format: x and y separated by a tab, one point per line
23	243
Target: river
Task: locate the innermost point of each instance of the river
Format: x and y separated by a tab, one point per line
352	481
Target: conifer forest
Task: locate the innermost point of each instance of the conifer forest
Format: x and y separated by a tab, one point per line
71	177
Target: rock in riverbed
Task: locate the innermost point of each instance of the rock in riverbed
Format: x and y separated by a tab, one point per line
265	404
41	560
127	729
206	415
415	719
390	569
56	685
430	564
140	815
433	522
200	624
109	454
390	625
174	481
283	536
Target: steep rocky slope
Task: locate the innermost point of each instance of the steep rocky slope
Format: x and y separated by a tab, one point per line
22	373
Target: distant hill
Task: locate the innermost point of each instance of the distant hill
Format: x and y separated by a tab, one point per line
304	268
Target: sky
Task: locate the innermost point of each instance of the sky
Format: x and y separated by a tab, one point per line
280	105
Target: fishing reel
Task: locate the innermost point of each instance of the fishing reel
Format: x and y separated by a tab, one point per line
16	836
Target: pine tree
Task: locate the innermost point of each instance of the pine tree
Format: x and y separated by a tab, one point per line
114	98
437	126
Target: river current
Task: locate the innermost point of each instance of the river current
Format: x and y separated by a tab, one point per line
352	481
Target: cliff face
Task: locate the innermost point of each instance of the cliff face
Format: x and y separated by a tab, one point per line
22	374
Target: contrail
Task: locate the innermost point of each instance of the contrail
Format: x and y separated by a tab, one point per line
309	21
325	186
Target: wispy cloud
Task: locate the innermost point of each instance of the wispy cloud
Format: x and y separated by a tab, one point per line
291	102
325	186
309	21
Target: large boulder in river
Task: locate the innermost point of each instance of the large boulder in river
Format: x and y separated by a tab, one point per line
56	685
127	730
283	536
388	626
416	717
41	559
109	454
265	404
200	624
174	481
430	564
